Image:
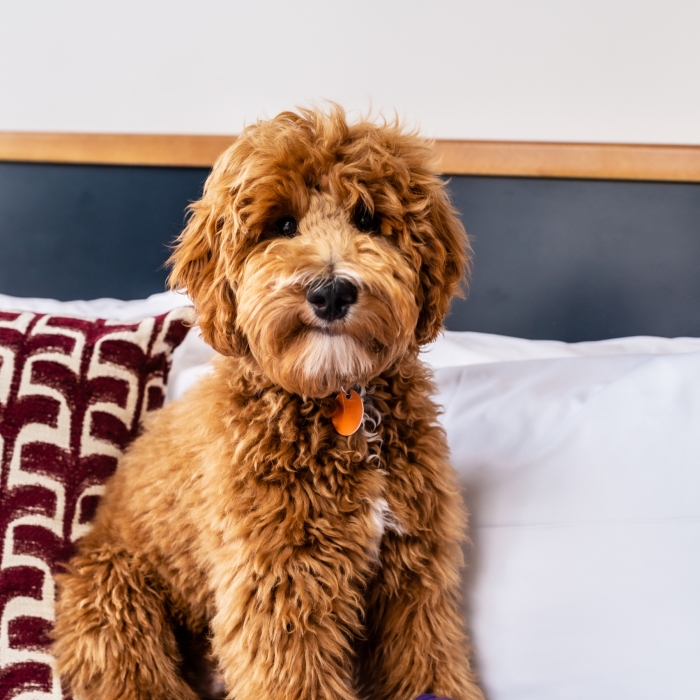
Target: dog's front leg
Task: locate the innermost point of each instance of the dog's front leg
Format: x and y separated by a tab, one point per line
284	624
416	627
114	639
416	641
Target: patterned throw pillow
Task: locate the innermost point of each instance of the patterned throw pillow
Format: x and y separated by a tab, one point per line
73	394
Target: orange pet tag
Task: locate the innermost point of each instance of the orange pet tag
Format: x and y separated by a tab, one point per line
348	413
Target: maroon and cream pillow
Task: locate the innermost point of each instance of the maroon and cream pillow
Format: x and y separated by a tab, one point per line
73	394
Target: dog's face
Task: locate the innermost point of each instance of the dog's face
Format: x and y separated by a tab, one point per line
325	250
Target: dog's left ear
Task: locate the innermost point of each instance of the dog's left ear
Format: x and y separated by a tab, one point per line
445	252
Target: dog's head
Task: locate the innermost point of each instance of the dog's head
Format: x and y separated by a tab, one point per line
326	250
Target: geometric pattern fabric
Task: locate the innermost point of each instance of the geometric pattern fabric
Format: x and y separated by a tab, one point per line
73	395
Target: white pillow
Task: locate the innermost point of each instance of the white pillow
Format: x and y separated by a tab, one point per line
453	349
133	310
583	479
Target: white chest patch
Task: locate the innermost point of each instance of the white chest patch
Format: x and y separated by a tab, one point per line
385	520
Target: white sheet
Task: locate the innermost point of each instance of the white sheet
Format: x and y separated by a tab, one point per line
583	477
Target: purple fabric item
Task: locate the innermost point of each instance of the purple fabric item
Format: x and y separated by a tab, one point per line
73	395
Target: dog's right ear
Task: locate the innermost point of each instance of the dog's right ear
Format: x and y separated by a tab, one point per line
198	266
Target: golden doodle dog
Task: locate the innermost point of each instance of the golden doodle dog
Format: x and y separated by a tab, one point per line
322	566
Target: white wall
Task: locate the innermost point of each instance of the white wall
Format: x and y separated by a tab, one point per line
579	70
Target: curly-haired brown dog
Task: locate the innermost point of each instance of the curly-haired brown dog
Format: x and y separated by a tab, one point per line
321	256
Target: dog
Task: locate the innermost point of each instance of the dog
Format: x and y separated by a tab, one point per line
321	563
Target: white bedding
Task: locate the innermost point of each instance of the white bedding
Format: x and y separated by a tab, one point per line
583	478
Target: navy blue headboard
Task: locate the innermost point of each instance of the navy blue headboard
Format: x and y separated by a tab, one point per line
581	259
561	259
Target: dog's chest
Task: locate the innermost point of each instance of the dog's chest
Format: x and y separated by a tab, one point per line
350	509
336	491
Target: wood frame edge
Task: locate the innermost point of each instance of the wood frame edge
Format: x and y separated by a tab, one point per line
169	150
455	157
595	161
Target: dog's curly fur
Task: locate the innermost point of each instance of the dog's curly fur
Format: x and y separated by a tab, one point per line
323	566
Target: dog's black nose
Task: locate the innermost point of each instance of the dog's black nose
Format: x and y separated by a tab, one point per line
331	299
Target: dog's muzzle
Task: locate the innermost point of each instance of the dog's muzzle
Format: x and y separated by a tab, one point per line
331	299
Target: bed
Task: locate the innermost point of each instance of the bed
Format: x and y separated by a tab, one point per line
570	380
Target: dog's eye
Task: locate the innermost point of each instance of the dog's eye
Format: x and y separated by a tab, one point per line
286	226
365	220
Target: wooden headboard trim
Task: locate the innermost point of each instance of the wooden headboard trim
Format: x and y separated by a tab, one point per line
113	149
505	158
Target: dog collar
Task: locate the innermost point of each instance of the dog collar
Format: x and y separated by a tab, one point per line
349	410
